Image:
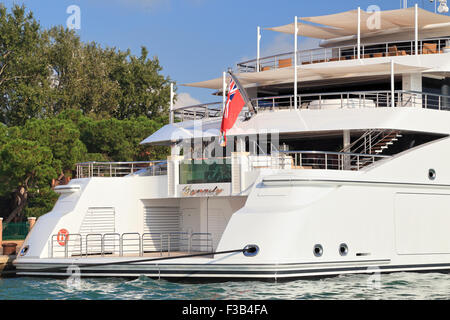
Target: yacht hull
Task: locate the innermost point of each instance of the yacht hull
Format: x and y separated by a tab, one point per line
223	271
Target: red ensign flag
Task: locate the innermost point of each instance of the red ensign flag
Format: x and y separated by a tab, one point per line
233	107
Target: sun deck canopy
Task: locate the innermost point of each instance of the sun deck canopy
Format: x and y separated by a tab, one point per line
346	23
312	72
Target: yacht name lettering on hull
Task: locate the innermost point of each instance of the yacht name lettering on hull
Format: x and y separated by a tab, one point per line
188	191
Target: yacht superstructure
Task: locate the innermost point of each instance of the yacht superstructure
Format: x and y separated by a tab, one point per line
341	167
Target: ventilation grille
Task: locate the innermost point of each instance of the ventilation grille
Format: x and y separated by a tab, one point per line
98	220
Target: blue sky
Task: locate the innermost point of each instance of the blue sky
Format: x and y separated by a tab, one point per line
195	40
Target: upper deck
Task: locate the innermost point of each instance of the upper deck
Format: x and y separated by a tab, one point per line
315	102
385	49
325	101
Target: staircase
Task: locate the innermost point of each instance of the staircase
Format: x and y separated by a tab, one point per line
385	142
372	142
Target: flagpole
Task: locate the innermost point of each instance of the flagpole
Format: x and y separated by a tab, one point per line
258	49
295	63
171	119
243	92
359	33
416	28
224	89
392	83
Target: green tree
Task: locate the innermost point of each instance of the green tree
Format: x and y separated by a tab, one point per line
58	135
24	72
105	82
81	75
25	167
119	139
145	92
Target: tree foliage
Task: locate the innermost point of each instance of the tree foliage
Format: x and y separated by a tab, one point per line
24	73
44	72
25	166
64	101
41	150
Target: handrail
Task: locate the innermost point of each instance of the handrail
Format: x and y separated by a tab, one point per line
199	235
352	99
119	169
104	244
338	153
152	240
129	242
324	160
356	99
69	243
124	246
90	235
200	105
199	111
344	52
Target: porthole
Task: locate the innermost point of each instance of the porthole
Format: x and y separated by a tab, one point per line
431	174
251	250
318	250
343	249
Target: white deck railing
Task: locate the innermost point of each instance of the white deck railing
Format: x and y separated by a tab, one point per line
331	100
129	244
355	100
322	160
199	111
120	169
349	52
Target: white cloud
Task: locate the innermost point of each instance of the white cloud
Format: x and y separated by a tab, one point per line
184	99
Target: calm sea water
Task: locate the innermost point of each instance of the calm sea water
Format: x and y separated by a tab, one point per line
390	286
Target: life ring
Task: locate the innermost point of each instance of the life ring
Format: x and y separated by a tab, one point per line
62	237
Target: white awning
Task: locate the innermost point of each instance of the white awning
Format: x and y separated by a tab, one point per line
185	130
315	72
311	31
346	23
214	84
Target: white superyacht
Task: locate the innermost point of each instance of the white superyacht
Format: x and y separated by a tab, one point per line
341	165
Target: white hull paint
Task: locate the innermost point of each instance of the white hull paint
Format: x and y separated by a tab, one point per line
286	213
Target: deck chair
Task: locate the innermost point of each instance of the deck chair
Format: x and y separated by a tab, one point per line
284	63
429	48
393	51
